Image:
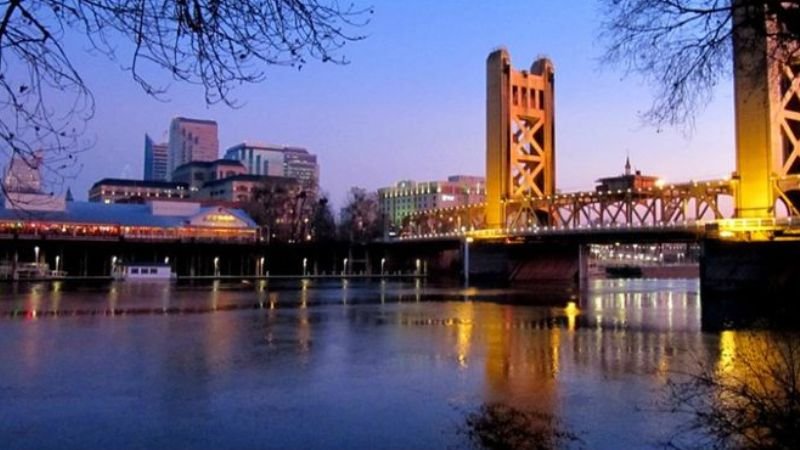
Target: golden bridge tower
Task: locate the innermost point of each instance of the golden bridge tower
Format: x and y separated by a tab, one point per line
767	96
520	135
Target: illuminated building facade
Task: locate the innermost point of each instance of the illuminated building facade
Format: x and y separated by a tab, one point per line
155	221
116	190
192	140
406	197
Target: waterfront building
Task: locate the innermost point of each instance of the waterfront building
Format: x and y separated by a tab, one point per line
278	161
192	140
195	174
117	190
156	220
405	197
629	180
156	160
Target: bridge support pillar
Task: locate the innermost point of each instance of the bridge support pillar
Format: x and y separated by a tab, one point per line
744	281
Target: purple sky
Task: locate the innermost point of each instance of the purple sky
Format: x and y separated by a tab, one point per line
411	103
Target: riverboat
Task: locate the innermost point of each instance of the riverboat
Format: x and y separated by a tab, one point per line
144	272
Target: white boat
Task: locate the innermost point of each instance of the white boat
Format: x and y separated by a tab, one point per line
144	272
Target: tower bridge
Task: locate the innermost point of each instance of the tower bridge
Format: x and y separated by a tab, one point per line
748	224
521	194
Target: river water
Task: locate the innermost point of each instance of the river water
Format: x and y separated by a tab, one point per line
335	364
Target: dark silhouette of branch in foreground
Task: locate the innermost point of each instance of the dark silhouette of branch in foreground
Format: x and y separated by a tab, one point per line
750	399
683	48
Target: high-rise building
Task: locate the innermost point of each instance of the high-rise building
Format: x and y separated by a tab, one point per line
156	160
192	140
278	161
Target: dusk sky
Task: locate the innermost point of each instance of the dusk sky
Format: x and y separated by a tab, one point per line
410	105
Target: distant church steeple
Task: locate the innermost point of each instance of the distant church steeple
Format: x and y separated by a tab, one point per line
627	165
69	197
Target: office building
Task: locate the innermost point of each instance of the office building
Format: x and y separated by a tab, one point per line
405	197
156	160
192	140
22	174
278	161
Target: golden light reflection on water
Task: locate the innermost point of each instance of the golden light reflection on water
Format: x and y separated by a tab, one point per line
727	351
572	311
466	315
304	293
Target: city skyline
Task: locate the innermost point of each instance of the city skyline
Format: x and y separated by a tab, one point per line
423	99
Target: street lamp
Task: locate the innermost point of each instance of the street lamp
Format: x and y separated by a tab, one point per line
344	267
216	266
383	265
58	260
305	264
36	254
418	264
113	264
261	265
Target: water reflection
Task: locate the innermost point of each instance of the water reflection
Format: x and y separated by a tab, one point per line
254	359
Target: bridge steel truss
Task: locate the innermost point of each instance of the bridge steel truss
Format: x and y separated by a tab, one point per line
668	205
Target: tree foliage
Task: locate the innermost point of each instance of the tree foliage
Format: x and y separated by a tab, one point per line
45	103
361	219
323	225
684	47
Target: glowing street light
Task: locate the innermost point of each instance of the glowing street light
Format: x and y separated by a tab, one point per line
344	267
216	266
58	260
261	266
36	254
305	265
383	265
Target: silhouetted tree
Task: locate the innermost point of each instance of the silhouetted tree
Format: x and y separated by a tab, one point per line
323	225
272	206
684	47
360	218
45	103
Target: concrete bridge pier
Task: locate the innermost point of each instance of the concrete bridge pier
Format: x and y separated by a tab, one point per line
529	262
743	282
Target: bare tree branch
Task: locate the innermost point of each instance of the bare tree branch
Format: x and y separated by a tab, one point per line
684	47
219	45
